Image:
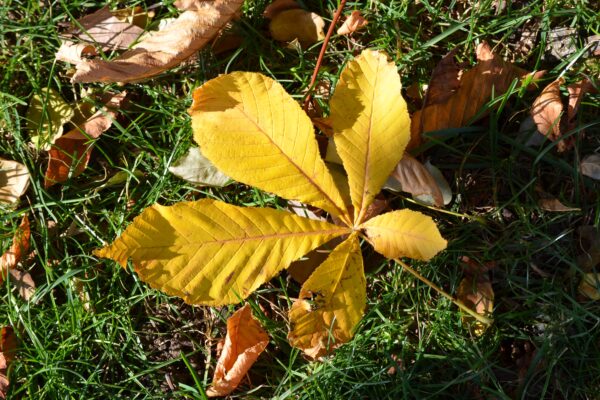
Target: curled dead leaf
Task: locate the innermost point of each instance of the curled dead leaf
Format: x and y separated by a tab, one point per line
244	342
354	22
14	181
412	177
164	49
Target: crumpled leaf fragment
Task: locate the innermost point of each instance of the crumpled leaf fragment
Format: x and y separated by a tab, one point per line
491	75
47	114
354	22
18	248
244	342
197	169
14	181
164	49
70	154
299	24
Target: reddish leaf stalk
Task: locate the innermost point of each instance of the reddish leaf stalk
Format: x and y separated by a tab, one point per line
313	78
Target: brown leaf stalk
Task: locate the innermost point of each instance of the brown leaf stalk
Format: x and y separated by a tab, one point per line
313	78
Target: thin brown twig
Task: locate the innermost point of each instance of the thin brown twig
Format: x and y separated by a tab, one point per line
313	78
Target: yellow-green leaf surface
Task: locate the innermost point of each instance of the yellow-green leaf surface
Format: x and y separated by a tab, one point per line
371	125
209	252
404	233
47	114
331	302
256	133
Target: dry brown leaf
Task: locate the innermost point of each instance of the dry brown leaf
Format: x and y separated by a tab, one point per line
444	81
553	204
305	26
163	49
8	346
354	22
415	179
74	52
14	180
244	342
23	282
18	248
278	6
107	29
491	75
72	151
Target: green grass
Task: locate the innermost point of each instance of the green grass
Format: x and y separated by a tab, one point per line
127	341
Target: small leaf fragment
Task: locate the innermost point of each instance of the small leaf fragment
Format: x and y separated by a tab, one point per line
244	342
590	166
404	233
23	282
197	169
547	111
331	302
590	286
17	250
47	114
476	292
212	253
354	22
14	181
8	346
253	131
371	125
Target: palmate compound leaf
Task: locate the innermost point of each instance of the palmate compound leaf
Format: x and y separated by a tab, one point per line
256	133
212	253
404	233
371	125
331	302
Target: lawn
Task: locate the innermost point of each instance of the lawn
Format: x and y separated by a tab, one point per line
94	330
